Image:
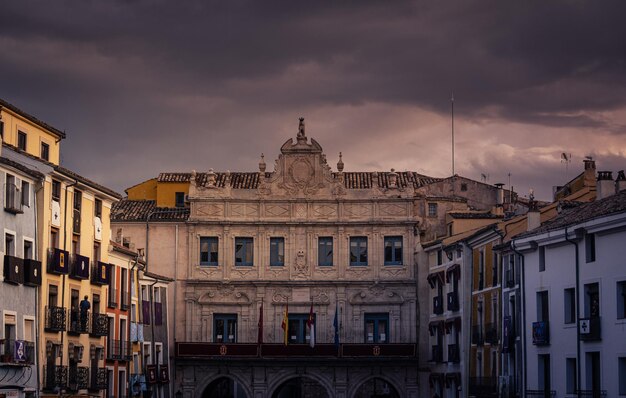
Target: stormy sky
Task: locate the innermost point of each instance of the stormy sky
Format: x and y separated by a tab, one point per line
142	87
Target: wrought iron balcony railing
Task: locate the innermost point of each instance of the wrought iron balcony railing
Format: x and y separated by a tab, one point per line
78	378
17	352
55	318
117	350
453	353
13	195
98	379
540	393
99	325
54	377
79	322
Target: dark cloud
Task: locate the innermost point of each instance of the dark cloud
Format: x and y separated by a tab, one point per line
145	86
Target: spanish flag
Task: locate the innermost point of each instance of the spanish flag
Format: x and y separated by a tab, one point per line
285	324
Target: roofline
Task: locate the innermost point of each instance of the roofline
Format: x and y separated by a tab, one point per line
157	277
85	181
31	118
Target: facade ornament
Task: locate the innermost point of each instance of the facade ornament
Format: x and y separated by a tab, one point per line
340	164
301	135
262	165
393	179
211	178
300	265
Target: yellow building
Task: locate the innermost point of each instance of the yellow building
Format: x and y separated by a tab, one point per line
168	190
73	233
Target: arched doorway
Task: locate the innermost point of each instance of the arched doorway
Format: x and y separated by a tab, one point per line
376	388
300	387
224	388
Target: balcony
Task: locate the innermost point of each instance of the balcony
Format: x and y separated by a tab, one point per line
13	196
304	351
453	301
112	298
78	378
54	377
17	352
436	353
483	387
477	335
99	325
491	333
454	354
13	270
32	272
58	262
79	267
79	324
541	333
54	319
100	273
98	379
590	329
117	350
437	305
540	393
591	394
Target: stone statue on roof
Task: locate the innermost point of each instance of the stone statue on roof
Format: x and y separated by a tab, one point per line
301	128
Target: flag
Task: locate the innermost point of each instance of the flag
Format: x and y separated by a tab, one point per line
260	325
285	324
336	324
311	324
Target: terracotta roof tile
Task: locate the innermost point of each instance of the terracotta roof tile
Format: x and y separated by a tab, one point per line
572	214
4	104
22	168
139	210
87	181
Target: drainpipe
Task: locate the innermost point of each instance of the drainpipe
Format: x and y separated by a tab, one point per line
63	276
156	360
175	284
129	343
522	289
573	242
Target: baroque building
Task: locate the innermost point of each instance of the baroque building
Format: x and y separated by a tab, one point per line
301	278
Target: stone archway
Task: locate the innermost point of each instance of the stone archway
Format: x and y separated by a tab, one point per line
301	387
376	387
224	387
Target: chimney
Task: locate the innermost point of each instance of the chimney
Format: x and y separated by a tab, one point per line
533	217
499	194
620	181
605	186
590	164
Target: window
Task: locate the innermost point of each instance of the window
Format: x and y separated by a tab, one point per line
96	252
543	311
1	129
12	195
325	251
25	193
494	269
463	187
542	259
21	140
570	375
45	151
570	305
544	372
592	300
225	328
56	190
98	208
621	375
358	251
244	252
376	328
9	245
54	238
78	200
590	248
78	203
53	295
299	332
9	327
393	250
28	249
277	251
432	210
481	270
439	257
208	251
29	330
621	299
180	199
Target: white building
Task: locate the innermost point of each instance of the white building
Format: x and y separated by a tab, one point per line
574	278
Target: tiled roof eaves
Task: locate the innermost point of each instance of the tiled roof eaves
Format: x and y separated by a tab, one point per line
22	168
138	211
53	130
573	215
88	182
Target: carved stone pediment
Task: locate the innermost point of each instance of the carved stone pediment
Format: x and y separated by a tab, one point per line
224	294
375	295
